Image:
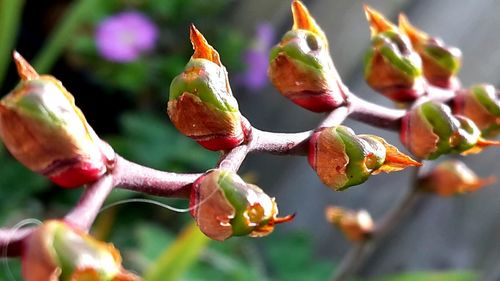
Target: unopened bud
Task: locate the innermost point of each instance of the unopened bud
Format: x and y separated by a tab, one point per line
201	104
55	251
452	177
355	225
301	67
44	130
223	206
342	159
392	67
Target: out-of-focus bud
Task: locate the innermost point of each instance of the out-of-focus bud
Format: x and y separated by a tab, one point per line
56	251
429	130
355	225
452	177
480	103
441	63
201	104
342	159
301	67
42	128
223	206
391	66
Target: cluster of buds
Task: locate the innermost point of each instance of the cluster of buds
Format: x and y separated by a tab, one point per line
480	103
452	177
201	104
343	159
429	130
301	67
355	225
42	128
392	67
56	251
441	63
223	206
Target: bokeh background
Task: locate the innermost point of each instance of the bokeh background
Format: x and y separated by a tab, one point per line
123	89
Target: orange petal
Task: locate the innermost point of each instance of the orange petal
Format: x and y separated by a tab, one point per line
201	47
395	160
24	69
302	19
378	23
416	35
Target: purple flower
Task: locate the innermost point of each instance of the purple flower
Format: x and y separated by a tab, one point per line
125	36
257	58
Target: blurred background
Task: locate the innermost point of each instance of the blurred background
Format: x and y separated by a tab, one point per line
121	84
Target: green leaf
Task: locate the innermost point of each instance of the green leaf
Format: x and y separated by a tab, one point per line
433	276
10	15
153	240
179	257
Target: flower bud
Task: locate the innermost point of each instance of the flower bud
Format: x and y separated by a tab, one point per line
56	251
223	206
452	177
44	130
355	225
441	63
430	130
301	67
481	104
391	66
201	104
342	159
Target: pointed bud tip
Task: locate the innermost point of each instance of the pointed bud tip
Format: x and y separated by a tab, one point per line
378	23
302	19
24	69
284	219
201	47
415	34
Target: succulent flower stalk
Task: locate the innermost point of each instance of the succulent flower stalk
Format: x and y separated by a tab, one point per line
391	66
452	177
343	159
429	130
441	63
55	251
201	104
223	206
480	103
42	128
355	225
301	67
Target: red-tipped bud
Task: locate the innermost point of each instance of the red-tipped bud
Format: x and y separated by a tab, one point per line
223	206
301	67
342	159
201	104
56	251
452	177
355	225
42	128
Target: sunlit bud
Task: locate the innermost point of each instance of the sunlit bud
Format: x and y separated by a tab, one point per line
42	128
355	225
480	103
342	159
201	104
391	66
56	251
301	67
440	62
429	130
452	177
223	206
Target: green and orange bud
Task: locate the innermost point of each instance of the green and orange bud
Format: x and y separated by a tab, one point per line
441	63
343	159
301	67
201	104
480	103
223	206
356	226
44	130
429	130
391	66
55	251
452	177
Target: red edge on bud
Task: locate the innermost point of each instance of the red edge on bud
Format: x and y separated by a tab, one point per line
323	102
311	155
216	143
77	175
